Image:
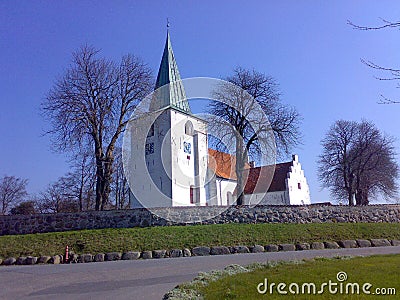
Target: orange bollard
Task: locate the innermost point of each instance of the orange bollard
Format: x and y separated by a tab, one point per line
66	259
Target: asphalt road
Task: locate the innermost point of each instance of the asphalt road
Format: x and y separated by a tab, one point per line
137	279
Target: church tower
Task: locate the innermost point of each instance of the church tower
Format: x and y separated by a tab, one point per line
176	144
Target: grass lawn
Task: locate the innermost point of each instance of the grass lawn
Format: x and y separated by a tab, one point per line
379	271
170	237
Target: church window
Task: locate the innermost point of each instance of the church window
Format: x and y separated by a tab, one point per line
299	185
189	130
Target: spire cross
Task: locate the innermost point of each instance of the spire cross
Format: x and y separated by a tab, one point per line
167	23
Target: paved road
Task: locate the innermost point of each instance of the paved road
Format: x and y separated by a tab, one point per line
139	279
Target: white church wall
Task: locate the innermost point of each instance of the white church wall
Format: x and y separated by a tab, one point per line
202	157
225	190
186	150
296	183
270	198
155	182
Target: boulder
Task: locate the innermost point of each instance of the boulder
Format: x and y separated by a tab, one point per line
271	248
201	251
395	242
73	258
175	253
147	254
331	245
240	249
111	256
21	260
257	249
186	252
99	257
159	253
286	247
130	255
31	260
317	245
380	242
85	258
348	244
56	259
9	261
44	259
363	243
302	246
219	250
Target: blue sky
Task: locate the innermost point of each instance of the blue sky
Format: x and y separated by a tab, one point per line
305	45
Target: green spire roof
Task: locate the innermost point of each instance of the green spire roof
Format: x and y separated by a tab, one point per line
173	95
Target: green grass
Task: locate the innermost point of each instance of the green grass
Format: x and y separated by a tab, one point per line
380	271
170	237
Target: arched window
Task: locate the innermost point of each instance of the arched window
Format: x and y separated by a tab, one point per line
189	130
191	194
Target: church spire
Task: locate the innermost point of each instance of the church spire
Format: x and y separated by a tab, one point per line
174	94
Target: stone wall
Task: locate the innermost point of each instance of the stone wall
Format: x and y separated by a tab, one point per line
141	217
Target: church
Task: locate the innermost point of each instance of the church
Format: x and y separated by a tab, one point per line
184	171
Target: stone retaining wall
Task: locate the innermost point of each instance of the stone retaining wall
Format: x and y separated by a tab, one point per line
21	224
196	251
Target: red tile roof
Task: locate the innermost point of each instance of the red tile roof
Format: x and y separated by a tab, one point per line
223	164
259	178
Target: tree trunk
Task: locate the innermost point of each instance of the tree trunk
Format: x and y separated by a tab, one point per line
364	199
350	198
107	178
359	197
99	183
240	162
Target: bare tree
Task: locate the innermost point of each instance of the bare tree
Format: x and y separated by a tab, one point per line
59	196
236	107
83	179
358	162
120	187
12	191
90	105
335	164
393	74
386	24
24	208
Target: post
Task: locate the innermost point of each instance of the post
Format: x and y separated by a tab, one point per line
66	258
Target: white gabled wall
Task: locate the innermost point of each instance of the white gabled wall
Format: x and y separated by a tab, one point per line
297	191
296	184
